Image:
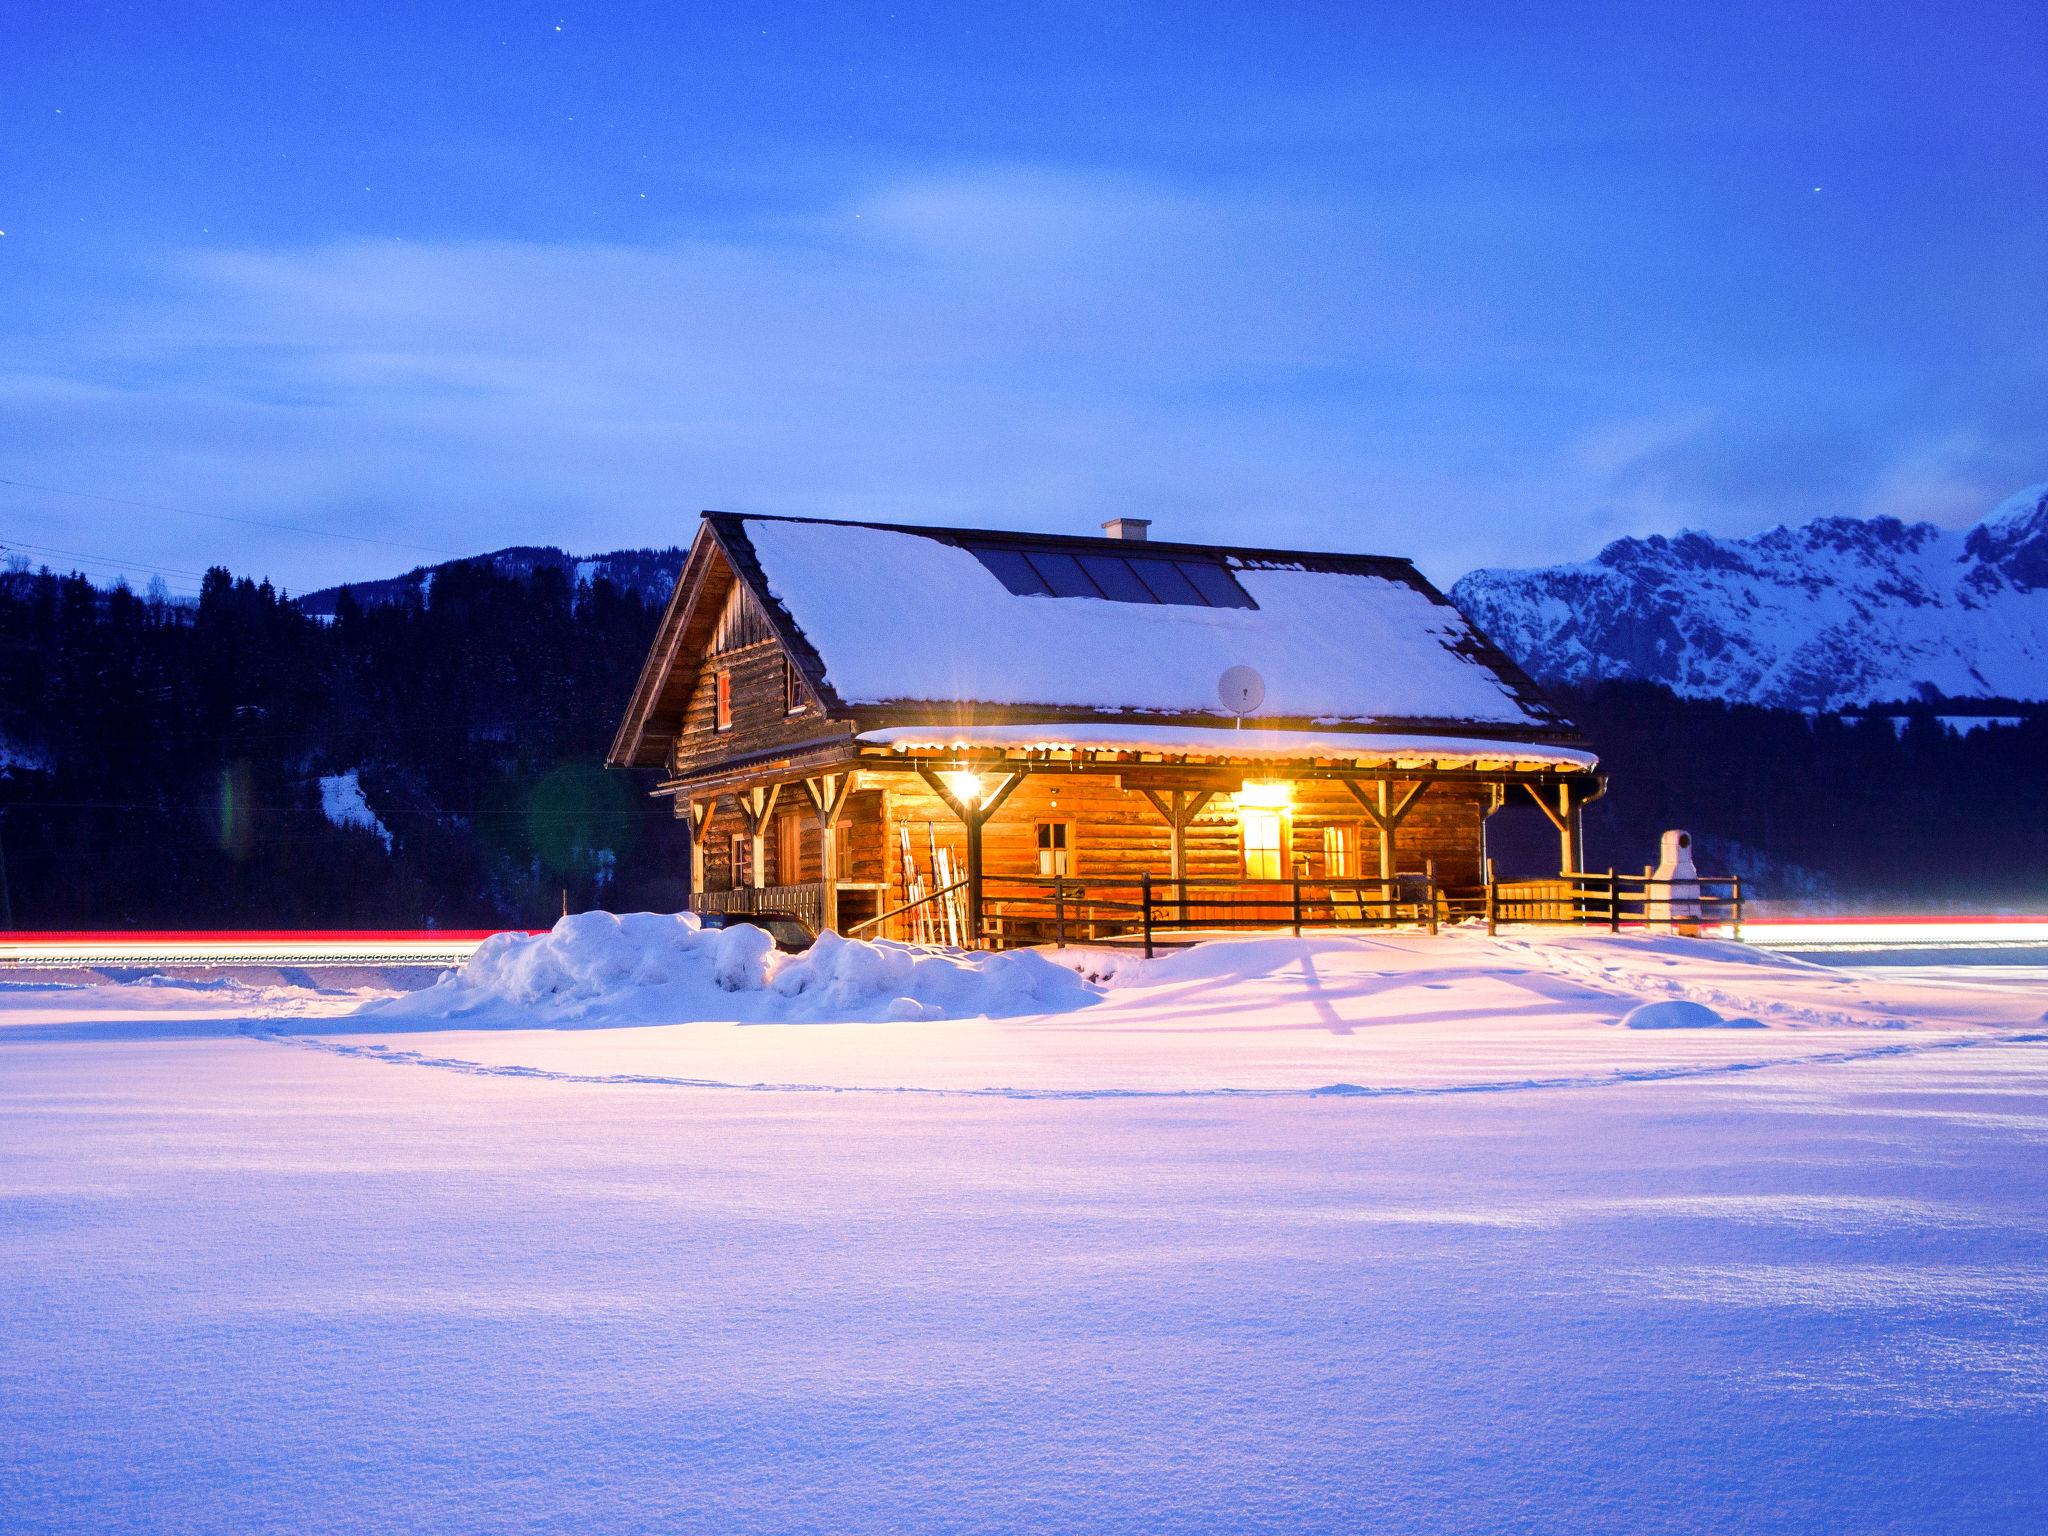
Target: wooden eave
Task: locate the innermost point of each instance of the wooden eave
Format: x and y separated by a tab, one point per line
967	713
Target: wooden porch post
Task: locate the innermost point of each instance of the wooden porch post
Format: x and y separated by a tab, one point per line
973	818
1180	810
700	822
1386	815
829	793
756	806
1568	817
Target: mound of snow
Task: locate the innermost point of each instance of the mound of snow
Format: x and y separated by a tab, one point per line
1676	1013
658	968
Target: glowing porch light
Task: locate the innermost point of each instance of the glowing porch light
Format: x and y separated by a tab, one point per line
1265	794
965	785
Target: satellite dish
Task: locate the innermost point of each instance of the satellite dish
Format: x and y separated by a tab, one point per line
1242	690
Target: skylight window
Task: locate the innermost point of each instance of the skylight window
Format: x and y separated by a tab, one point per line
1046	570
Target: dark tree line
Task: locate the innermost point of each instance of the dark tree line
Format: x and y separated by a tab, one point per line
1822	808
166	759
160	765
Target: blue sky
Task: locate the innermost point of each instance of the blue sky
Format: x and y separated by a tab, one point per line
1479	284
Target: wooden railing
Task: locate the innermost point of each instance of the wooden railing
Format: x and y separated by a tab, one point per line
1065	909
1058	910
804	901
908	907
1611	900
1062	909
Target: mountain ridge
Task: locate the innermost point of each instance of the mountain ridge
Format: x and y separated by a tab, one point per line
1831	614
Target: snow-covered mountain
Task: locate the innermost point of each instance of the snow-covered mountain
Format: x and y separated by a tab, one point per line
650	572
1842	611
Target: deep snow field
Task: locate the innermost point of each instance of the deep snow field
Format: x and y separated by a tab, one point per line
1350	1233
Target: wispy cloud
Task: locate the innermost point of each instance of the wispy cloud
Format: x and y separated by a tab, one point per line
1009	344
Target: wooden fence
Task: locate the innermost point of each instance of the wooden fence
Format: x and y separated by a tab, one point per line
803	901
1058	910
1019	910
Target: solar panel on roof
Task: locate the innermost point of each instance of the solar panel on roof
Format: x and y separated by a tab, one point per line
1063	573
1014	571
1116	579
1046	570
1168	583
1216	584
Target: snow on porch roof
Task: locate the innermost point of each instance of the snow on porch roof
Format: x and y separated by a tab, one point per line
1361	748
903	615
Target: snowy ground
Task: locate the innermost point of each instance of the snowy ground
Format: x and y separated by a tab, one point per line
1352	1233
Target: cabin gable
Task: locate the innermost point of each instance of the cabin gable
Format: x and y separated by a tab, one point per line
745	695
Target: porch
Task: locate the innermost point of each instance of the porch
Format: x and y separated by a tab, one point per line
998	847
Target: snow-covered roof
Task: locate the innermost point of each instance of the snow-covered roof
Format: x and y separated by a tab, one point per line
1222	743
907	616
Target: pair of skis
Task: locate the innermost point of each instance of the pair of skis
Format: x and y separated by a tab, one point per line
932	922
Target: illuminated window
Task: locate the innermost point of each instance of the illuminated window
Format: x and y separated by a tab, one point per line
721	717
1054	843
1340	851
739	860
1264	829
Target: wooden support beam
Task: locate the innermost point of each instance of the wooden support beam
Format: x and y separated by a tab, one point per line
829	793
756	806
700	820
972	819
1568	817
1179	807
1552	814
1386	814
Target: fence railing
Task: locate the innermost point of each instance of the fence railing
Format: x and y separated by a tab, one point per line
1020	910
936	898
1612	900
1062	909
805	901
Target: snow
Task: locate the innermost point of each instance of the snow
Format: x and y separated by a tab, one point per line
1330	646
1379	1232
649	967
1257	744
1838	613
1677	1013
341	799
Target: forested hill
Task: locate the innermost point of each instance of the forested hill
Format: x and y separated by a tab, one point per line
648	573
434	758
239	762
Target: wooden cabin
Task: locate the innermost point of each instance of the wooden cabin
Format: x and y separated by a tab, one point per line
853	716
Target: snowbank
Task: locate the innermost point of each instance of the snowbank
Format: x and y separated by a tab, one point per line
657	968
1677	1013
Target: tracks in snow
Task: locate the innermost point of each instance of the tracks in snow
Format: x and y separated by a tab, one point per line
1616	1078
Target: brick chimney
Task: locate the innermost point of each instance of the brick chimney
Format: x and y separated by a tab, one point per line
1132	528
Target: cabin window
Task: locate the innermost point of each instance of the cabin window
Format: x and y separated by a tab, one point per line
739	860
843	857
1264	829
789	848
792	689
1055	846
721	709
1340	851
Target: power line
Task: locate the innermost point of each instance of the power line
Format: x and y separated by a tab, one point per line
223	517
115	561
